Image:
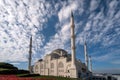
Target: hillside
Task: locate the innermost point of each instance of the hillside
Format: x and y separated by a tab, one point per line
6	68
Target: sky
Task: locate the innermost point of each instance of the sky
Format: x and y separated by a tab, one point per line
48	21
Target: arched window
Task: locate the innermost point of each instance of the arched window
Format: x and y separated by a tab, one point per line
68	68
41	66
60	65
52	65
83	70
36	68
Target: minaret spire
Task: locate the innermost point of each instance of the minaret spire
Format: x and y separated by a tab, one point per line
30	53
86	55
72	40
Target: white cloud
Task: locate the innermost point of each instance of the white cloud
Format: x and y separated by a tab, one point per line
116	62
15	63
94	4
19	20
62	37
59	40
88	26
111	57
113	4
64	13
112	8
100	24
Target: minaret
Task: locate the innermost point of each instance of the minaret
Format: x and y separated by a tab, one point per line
86	55
30	53
73	70
90	61
72	41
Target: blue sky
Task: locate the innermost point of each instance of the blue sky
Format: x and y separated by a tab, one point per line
48	21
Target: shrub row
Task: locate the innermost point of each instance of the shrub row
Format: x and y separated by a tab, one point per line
13	71
28	75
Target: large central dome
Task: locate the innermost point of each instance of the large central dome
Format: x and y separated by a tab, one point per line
58	53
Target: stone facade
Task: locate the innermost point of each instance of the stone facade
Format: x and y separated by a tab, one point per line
58	63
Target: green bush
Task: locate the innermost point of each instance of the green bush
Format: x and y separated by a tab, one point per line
10	71
22	72
28	75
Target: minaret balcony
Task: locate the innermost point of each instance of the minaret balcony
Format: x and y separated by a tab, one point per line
73	36
73	47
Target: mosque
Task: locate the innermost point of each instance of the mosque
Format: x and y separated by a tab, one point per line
60	63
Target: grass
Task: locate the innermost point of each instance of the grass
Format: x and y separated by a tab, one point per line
46	77
2	69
